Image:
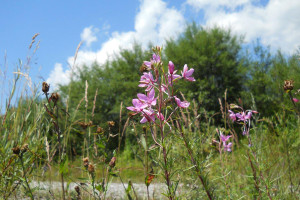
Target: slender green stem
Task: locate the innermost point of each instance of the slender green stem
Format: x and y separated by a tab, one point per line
24	173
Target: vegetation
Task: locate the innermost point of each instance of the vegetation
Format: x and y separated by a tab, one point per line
226	127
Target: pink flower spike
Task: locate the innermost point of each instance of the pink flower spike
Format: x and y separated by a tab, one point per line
181	104
295	100
186	74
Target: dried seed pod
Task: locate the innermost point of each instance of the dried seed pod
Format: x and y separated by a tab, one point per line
112	162
111	123
85	162
100	130
45	87
54	97
24	148
288	85
16	150
91	168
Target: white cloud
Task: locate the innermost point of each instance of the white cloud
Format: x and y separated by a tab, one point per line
277	23
88	35
154	23
58	76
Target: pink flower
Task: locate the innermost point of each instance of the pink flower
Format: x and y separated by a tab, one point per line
244	117
155	59
181	104
186	74
295	100
224	138
147	81
148	115
227	147
138	106
149	99
232	115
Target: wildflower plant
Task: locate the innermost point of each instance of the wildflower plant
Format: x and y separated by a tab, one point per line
158	107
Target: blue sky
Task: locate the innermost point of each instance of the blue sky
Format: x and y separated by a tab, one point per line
105	26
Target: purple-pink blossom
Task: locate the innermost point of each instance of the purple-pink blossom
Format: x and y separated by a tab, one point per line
186	73
295	100
148	116
181	104
155	59
138	106
232	115
224	139
149	99
147	81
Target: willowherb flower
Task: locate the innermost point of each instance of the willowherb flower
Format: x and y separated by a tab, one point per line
149	99
155	60
148	116
147	81
232	115
224	139
186	73
138	106
295	100
243	116
181	104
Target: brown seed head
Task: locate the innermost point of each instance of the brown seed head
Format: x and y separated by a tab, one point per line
77	189
24	148
91	168
54	97
45	87
288	85
100	130
112	162
85	162
16	150
111	123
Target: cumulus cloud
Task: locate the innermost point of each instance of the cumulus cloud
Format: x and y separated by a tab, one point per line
88	35
154	23
58	76
277	23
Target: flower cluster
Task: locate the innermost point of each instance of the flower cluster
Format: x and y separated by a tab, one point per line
242	116
146	104
224	139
